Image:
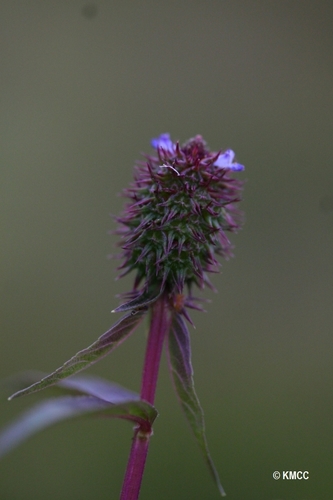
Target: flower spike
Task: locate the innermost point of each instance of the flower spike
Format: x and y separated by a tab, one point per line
178	213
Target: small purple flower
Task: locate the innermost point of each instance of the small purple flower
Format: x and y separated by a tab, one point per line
164	142
225	160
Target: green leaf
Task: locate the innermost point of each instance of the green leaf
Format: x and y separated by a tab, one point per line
52	411
179	354
103	346
142	300
90	385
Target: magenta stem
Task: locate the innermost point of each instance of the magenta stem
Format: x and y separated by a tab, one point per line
159	325
135	466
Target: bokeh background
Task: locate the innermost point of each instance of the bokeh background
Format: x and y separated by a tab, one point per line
84	86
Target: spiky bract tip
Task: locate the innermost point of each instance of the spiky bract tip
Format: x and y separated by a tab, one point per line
182	202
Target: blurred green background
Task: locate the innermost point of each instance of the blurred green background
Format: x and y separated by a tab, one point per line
83	89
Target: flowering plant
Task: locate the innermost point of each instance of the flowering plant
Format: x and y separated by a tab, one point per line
182	202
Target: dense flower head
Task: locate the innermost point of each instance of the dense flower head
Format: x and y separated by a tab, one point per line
182	202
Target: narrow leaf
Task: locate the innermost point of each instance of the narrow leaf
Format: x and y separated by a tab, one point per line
142	300
54	410
179	354
85	384
103	346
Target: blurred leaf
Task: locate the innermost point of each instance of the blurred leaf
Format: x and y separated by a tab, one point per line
100	388
54	410
103	345
143	300
179	353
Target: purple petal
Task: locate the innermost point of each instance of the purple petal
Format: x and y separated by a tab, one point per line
55	410
164	142
237	167
225	160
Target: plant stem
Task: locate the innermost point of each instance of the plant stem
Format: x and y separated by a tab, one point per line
159	325
135	466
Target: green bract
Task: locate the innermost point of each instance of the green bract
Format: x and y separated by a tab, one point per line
181	205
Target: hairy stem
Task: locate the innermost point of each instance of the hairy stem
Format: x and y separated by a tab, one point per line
159	325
